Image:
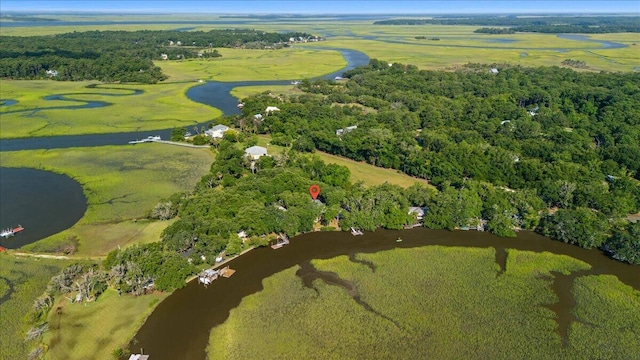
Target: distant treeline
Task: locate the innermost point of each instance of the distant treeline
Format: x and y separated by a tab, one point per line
485	30
550	24
17	17
119	55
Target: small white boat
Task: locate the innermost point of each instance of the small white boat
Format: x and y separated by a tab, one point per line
356	232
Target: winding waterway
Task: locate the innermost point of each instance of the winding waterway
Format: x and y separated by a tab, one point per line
214	93
180	325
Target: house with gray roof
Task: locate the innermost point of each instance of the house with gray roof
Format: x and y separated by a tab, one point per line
216	131
255	152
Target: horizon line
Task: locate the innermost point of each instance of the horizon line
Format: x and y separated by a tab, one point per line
168	12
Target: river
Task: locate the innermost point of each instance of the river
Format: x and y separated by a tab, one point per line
44	203
179	327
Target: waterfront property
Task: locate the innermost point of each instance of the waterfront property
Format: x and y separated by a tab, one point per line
255	152
217	131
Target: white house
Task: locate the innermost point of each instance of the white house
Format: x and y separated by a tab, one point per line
52	72
257	117
216	131
255	152
418	211
493	71
270	109
340	132
164	56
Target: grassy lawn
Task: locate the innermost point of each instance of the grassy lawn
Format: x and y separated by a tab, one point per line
122	183
95	330
242	64
22	280
430	302
372	175
369	174
159	106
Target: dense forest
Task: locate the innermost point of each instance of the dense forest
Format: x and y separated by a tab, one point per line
126	56
542	24
559	139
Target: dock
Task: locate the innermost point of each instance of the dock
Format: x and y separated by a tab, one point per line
157	139
11	231
226	272
283	240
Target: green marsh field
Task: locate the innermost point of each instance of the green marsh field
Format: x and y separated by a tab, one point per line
431	302
159	106
255	65
122	183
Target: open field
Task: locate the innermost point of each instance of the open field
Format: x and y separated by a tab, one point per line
122	183
372	175
159	106
253	65
430	302
95	330
22	280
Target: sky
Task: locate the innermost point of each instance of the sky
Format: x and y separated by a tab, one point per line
324	6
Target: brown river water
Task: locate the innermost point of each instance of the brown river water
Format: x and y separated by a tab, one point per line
179	327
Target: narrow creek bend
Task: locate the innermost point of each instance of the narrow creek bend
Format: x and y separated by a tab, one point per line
179	327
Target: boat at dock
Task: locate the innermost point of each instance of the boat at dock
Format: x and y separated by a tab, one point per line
356	232
282	241
11	231
207	276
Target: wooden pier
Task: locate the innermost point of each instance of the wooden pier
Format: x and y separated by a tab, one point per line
283	240
226	272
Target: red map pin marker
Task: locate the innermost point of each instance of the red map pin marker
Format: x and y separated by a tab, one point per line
314	190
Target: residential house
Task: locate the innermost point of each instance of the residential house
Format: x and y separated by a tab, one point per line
257	117
164	56
270	109
52	72
217	131
417	211
341	132
255	152
493	70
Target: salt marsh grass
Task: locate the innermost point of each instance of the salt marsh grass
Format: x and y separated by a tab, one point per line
429	302
122	183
